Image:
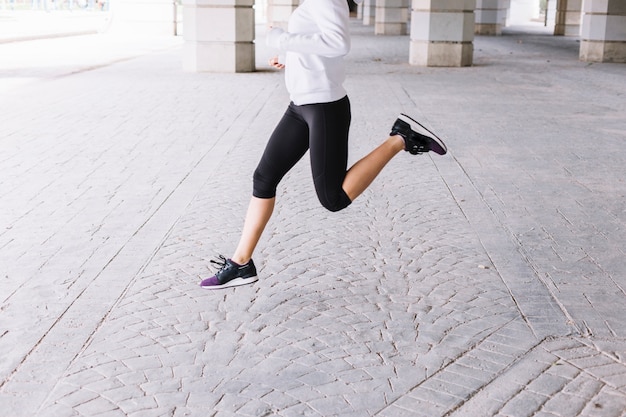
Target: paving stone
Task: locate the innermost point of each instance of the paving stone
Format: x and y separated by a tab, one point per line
547	385
407	406
606	404
565	405
524	404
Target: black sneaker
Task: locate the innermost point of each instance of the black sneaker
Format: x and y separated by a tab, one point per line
417	139
230	274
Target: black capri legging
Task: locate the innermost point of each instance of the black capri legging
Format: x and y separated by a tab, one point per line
322	128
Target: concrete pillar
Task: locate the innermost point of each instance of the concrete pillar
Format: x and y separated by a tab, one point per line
278	12
219	36
392	17
550	19
603	34
442	33
505	10
144	17
369	12
490	16
568	17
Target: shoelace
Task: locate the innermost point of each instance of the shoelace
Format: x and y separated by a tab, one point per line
221	262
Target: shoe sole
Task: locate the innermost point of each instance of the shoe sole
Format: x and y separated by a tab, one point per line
417	127
233	283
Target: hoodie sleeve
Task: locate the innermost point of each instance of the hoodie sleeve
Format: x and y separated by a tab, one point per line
331	38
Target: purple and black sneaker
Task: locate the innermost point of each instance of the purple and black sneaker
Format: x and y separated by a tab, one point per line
417	139
230	274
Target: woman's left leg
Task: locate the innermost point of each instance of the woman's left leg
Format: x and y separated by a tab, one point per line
365	170
329	125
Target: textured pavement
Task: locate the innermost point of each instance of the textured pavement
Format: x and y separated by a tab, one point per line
488	282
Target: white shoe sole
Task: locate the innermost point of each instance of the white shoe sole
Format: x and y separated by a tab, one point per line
417	127
233	283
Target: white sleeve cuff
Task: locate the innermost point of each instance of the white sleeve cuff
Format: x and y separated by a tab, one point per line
273	37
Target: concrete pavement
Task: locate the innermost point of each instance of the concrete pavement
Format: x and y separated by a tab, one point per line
489	282
23	25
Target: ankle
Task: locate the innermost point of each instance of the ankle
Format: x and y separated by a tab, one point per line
240	260
397	142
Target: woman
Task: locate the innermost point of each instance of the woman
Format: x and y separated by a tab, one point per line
317	120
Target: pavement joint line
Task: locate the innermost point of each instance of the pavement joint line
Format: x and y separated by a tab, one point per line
485	230
126	259
454	360
555	348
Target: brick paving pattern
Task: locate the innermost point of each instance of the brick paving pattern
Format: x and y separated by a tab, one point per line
488	282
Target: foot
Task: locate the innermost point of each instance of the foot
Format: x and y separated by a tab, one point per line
417	139
230	274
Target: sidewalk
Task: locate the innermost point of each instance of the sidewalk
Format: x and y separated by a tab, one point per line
37	45
488	282
24	25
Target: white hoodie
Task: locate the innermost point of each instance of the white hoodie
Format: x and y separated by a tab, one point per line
316	40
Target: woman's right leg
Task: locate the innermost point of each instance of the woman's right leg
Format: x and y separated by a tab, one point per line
286	146
259	212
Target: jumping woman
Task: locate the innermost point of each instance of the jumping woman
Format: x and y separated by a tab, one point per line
317	120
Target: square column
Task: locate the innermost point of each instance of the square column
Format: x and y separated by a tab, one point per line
550	18
369	12
392	17
442	33
219	36
568	17
603	34
490	16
